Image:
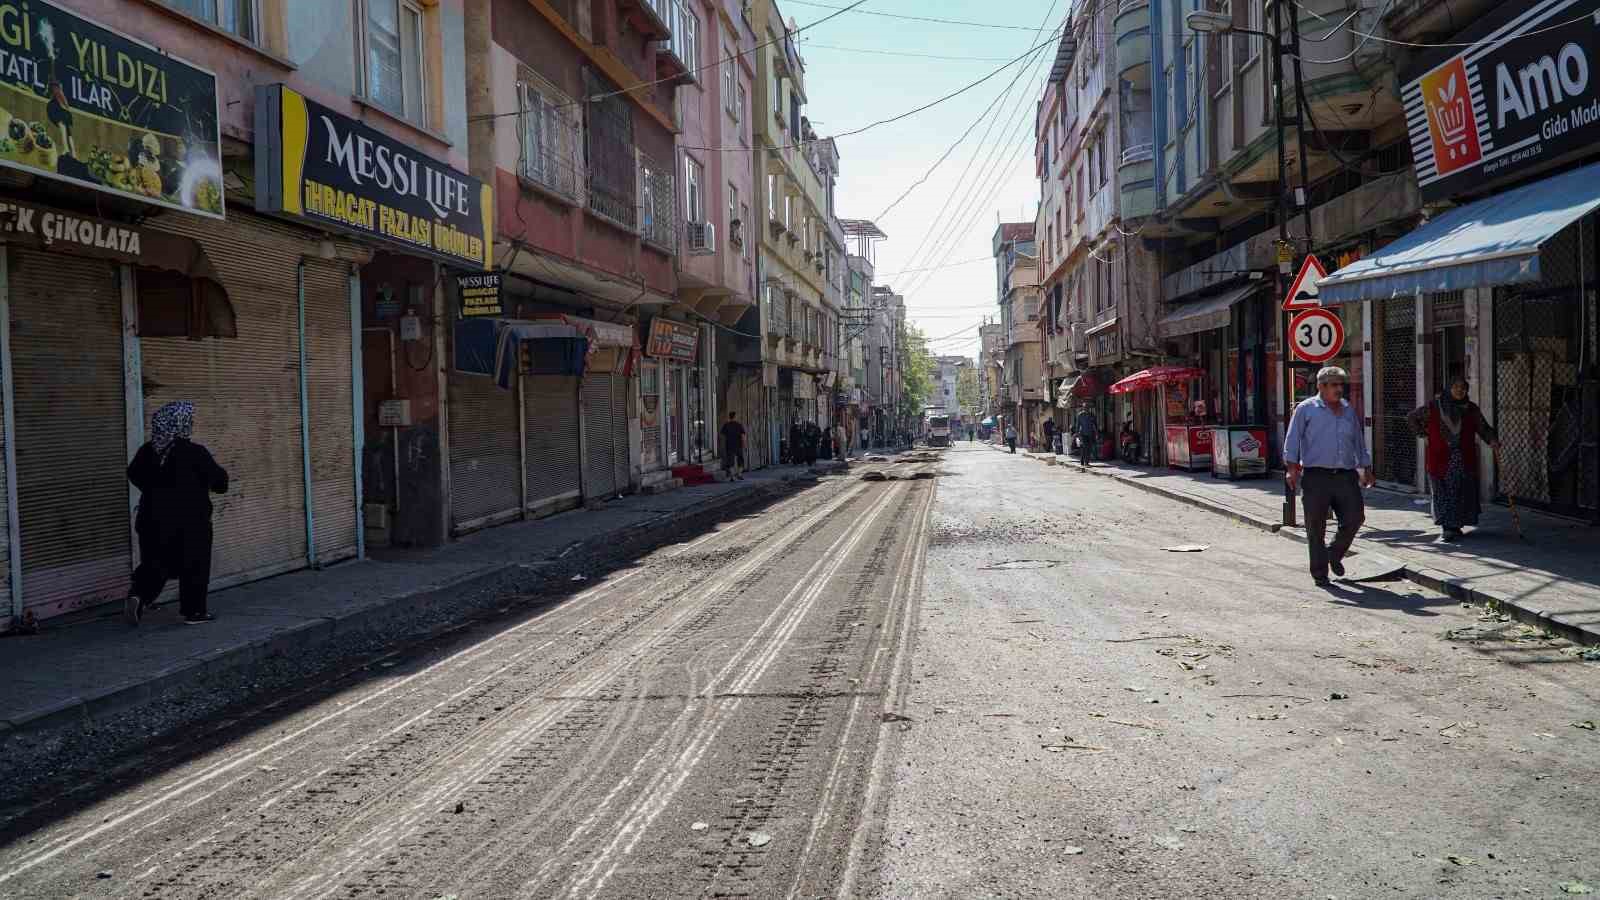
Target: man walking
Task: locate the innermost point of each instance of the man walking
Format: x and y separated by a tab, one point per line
1325	452
1050	435
1011	437
733	447
1087	428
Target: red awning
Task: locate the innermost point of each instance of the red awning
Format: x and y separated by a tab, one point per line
1148	379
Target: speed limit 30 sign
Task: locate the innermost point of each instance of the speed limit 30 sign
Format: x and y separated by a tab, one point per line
1317	335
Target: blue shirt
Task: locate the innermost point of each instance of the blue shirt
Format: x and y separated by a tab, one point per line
1323	439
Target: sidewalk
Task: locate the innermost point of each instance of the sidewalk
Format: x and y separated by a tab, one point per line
1550	579
81	670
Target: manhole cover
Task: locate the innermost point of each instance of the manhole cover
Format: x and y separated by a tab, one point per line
1022	564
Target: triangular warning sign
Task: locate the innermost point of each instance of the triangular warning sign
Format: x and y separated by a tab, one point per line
1303	292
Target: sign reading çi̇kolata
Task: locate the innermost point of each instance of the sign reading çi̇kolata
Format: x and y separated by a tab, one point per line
323	166
84	104
1526	92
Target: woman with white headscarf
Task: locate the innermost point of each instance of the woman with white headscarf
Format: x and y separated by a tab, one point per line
176	478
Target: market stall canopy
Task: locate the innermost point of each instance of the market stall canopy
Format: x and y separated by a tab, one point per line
1204	314
988	422
1149	379
1493	241
599	334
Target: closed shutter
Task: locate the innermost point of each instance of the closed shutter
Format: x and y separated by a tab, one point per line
71	437
551	410
599	457
485	451
621	469
328	366
247	397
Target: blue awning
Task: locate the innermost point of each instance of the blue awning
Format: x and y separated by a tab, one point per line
1492	241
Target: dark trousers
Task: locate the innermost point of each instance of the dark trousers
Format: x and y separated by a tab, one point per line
1339	490
181	552
1012	443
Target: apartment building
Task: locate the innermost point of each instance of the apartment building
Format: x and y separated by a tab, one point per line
1024	400
1098	275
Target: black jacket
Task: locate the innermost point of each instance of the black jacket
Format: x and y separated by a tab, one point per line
177	492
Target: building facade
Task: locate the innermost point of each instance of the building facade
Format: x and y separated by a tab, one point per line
1018	292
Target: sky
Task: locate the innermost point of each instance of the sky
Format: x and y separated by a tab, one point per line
946	221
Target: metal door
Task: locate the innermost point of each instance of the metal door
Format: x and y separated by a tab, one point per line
599	457
1395	444
485	452
554	459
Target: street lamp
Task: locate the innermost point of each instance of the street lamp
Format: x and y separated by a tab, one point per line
1208	22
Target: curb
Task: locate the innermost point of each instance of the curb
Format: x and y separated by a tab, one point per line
137	691
1423	576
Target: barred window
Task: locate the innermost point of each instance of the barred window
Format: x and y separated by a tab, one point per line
657	204
549	135
610	164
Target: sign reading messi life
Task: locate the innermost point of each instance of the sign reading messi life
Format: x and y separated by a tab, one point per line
321	165
1526	92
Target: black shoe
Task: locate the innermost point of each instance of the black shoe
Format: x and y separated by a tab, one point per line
1451	534
1322	581
199	620
132	609
1337	567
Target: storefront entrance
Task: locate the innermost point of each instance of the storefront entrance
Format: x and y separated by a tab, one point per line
1394	443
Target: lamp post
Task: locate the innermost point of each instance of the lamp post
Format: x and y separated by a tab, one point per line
1208	22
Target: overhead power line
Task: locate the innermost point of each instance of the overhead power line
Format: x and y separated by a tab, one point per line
811	44
933	19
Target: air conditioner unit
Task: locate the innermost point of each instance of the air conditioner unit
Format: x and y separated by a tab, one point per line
702	238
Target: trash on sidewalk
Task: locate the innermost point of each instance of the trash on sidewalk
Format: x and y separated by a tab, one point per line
1188	548
758	839
1586	725
1071	850
1575	887
699	826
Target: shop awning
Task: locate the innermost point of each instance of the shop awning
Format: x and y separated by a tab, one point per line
1493	241
1149	379
600	334
1082	386
1203	315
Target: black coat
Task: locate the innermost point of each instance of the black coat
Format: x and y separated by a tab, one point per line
175	494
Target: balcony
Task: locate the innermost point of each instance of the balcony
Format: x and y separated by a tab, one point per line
1132	31
1136	182
651	18
675	55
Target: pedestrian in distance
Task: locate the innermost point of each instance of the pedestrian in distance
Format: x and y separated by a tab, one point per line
1452	425
1087	428
733	447
1325	455
1011	437
1049	435
176	478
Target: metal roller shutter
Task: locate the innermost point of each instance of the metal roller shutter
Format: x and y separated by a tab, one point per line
484	452
551	410
328	363
620	468
600	451
72	489
247	397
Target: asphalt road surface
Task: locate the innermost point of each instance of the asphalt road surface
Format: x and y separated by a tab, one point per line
990	683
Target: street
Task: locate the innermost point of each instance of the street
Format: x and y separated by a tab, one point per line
994	682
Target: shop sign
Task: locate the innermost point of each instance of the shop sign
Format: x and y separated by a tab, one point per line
317	164
1526	92
480	294
86	105
51	226
1239	451
673	340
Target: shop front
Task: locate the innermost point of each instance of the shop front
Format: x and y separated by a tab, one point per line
679	377
1224	339
1501	288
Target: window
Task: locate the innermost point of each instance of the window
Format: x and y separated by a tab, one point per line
236	17
735	225
744	214
728	68
611	162
738	113
549	137
777	95
1256	13
794	115
1101	160
788	211
772	197
688	38
394	66
657	204
694	200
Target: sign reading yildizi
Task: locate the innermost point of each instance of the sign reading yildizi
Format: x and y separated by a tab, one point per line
319	164
83	104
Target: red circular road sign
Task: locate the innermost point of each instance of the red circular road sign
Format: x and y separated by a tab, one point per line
1317	335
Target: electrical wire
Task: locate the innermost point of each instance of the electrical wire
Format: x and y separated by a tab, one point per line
811	44
963	136
900	116
1586	17
719	63
886	15
1367	38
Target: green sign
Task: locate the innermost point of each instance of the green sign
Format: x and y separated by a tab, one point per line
84	104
